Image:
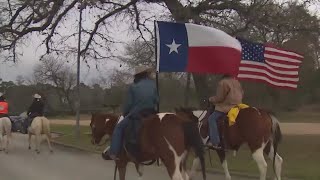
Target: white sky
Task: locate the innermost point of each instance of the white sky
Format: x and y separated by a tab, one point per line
31	54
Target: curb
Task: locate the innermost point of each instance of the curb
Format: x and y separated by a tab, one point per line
73	147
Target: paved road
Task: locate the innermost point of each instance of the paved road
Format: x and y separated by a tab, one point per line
286	128
65	164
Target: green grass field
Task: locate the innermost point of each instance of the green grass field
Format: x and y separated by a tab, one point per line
301	154
295	117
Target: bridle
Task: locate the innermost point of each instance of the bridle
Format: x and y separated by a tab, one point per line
208	107
105	142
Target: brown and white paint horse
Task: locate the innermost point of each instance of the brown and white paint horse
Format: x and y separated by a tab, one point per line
256	127
164	135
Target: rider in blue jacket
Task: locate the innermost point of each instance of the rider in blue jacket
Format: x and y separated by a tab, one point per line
142	96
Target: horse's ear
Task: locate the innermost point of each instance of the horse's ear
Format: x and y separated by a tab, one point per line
178	109
182	109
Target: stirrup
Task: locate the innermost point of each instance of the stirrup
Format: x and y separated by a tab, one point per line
214	147
107	156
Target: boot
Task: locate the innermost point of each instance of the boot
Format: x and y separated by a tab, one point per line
106	155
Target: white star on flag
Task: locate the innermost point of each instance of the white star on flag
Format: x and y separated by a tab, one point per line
173	47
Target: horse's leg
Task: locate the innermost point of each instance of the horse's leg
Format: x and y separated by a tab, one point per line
49	144
122	168
173	168
184	168
29	140
139	169
173	163
38	143
1	139
261	162
8	131
195	165
224	163
269	150
7	143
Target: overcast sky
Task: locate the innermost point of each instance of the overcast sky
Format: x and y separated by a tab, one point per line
31	53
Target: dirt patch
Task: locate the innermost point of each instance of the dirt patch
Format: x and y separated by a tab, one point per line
287	128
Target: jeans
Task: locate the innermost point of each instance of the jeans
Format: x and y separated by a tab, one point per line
213	128
117	136
118	132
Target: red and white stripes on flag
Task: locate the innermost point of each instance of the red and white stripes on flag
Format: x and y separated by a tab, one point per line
275	66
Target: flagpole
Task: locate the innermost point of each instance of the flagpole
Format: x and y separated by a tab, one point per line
156	59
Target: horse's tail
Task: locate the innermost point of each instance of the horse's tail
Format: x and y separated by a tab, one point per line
276	137
193	139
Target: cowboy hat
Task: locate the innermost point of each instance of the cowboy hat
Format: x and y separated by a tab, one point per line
141	69
37	96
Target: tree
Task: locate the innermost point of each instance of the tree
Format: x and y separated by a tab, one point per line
20	80
57	73
139	53
261	20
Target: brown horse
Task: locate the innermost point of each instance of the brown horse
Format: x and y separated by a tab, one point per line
165	136
258	128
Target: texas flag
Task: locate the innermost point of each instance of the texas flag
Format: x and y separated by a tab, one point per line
186	47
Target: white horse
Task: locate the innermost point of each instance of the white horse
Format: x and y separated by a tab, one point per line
5	129
39	126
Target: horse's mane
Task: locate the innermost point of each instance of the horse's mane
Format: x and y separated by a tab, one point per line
186	109
268	111
104	114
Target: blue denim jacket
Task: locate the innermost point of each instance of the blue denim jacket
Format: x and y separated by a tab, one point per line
141	95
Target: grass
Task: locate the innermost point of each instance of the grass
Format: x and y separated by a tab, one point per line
299	116
69	138
72	117
301	154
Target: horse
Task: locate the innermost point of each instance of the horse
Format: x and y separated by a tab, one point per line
5	129
256	127
39	126
165	135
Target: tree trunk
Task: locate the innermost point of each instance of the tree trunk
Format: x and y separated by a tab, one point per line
202	88
187	92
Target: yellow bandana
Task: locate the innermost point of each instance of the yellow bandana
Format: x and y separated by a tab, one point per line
233	113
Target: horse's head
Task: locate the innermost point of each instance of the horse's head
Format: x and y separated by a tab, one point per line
188	113
102	124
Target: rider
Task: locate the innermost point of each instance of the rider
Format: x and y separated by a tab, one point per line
4	106
229	94
36	109
142	96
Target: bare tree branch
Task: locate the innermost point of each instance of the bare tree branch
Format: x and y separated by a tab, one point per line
97	24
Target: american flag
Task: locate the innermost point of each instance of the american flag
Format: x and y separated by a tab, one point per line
274	66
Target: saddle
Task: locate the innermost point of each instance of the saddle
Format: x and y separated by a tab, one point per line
131	133
17	123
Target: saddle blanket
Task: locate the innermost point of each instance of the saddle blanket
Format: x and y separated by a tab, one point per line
233	113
